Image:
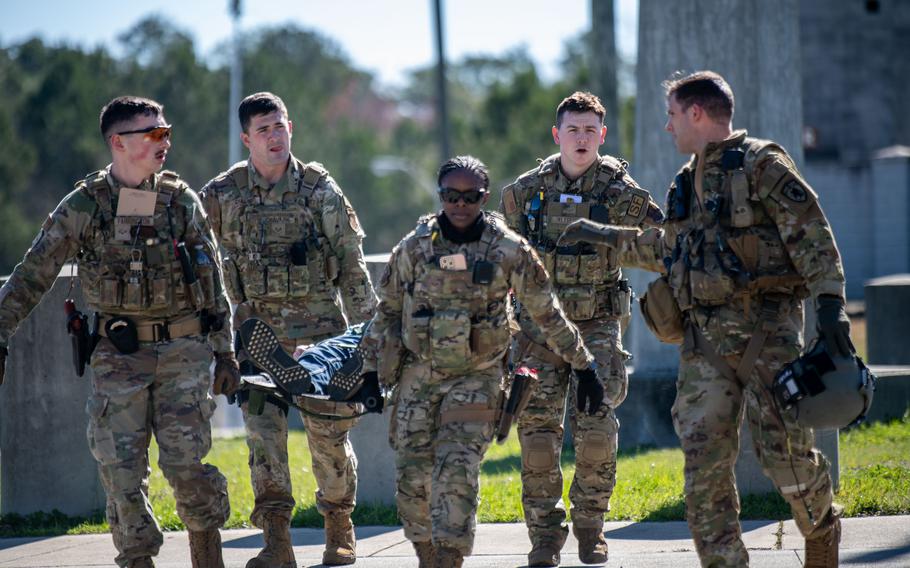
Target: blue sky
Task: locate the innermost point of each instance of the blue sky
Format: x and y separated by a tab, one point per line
387	37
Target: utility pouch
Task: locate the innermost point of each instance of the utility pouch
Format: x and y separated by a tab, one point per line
621	299
483	272
661	312
297	253
122	333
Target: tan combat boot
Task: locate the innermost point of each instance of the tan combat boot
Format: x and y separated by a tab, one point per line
448	558
822	552
143	562
278	552
205	549
545	548
592	546
426	554
340	546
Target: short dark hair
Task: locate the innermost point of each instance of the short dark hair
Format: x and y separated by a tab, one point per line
123	109
580	101
467	163
259	103
707	89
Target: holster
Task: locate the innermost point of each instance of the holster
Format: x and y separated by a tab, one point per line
519	394
77	326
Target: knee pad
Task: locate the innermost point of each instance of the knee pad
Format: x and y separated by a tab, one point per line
596	447
540	452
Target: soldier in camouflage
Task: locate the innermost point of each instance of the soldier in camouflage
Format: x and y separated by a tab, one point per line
440	337
576	183
744	242
132	276
292	246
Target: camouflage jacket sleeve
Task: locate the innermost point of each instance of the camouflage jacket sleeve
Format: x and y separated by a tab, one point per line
344	234
653	216
382	346
60	239
513	200
199	231
803	227
532	286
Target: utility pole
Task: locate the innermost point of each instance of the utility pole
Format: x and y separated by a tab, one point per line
442	110
236	83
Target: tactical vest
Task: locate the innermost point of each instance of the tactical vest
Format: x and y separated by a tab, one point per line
129	265
449	318
283	252
730	247
586	277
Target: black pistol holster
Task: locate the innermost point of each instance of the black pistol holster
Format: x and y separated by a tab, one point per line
83	343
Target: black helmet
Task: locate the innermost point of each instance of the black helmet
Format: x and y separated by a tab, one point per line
825	391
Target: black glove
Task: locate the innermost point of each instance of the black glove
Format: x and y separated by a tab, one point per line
589	392
370	394
3	353
227	374
588	231
834	326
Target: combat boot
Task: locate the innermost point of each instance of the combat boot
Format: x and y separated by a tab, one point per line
142	562
205	549
448	558
822	552
426	554
278	552
592	546
545	547
340	546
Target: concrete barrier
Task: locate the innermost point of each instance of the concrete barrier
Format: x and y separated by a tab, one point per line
45	462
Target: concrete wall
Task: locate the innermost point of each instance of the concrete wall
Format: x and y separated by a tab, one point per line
45	462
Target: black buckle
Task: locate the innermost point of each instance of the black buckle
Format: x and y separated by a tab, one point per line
160	332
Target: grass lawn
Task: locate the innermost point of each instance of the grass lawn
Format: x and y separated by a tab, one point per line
875	480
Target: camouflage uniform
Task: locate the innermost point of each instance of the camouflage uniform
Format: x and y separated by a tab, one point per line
449	335
290	250
589	284
739	263
128	268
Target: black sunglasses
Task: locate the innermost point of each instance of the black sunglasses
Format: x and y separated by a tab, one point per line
452	195
155	133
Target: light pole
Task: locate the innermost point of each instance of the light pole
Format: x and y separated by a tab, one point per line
236	84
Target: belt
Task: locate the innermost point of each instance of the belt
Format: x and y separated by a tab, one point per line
156	332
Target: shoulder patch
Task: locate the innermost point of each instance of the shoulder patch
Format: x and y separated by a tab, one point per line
509	206
795	191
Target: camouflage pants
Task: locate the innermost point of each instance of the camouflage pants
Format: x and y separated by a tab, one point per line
163	389
540	431
334	463
707	415
438	455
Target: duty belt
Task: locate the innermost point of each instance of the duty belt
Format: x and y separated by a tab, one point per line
158	331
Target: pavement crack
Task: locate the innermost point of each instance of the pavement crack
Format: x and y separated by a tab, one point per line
779	536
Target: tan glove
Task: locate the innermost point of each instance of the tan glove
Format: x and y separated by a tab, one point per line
227	374
585	230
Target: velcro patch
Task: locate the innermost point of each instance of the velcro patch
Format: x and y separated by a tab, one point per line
795	192
636	205
508	201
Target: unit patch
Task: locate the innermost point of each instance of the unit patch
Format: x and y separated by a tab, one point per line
795	192
635	206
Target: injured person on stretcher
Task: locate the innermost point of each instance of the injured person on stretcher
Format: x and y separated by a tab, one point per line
330	369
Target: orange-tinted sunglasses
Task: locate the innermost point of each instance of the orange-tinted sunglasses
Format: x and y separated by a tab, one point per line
152	133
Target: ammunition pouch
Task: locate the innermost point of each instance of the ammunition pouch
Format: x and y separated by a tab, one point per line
661	312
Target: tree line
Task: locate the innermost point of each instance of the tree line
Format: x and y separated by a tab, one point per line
50	97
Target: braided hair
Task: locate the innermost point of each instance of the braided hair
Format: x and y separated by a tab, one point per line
468	164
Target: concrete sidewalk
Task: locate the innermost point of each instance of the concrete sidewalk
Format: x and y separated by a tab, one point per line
872	541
